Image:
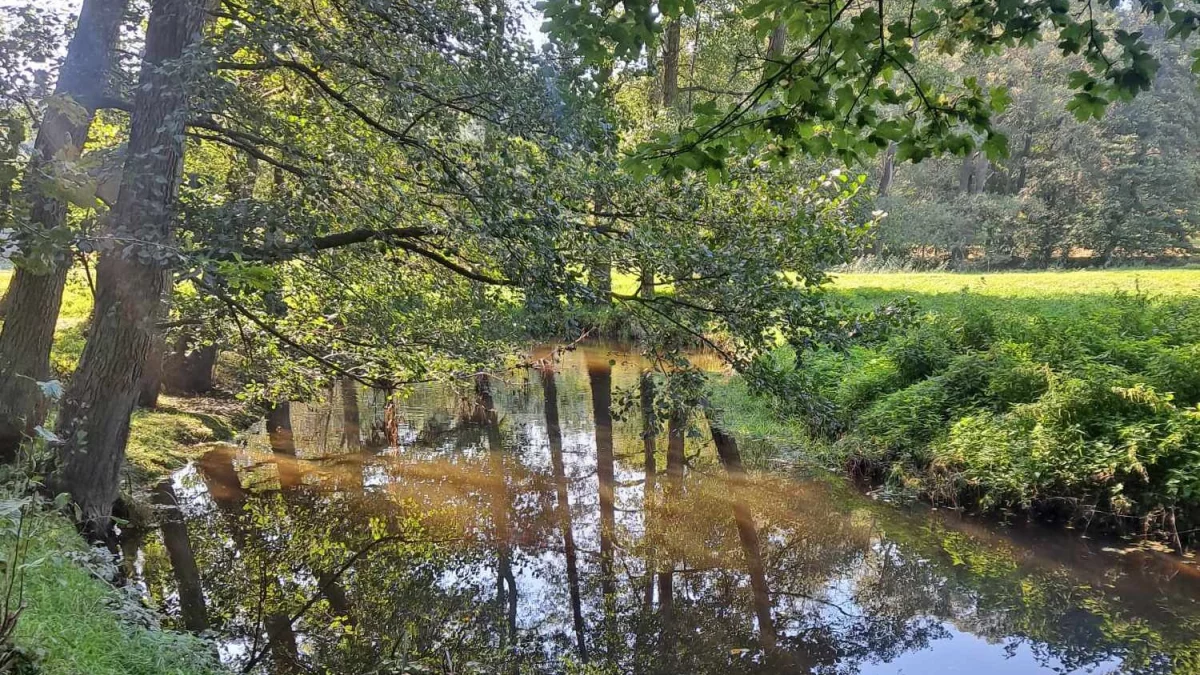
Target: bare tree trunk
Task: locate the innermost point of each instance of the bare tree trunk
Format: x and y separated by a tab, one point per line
1026	149
351	418
731	459
777	43
650	469
35	296
95	414
982	171
152	375
670	65
600	271
506	581
188	368
966	174
183	560
279	428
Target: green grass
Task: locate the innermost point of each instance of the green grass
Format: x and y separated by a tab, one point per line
1037	285
75	623
1073	394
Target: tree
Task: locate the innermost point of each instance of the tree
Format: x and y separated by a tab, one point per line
94	420
35	292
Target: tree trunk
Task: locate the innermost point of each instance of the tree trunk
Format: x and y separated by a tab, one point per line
646	281
279	428
562	495
188	369
600	378
887	170
192	607
94	422
34	296
743	519
670	69
966	174
351	419
600	271
777	43
152	375
1026	149
981	171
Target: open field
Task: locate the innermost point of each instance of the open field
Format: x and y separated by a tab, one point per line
1031	284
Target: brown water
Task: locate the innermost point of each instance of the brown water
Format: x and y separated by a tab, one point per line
536	534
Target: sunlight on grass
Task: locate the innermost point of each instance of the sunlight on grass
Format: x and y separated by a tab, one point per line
1031	284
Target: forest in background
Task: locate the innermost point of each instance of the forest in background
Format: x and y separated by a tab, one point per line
1118	189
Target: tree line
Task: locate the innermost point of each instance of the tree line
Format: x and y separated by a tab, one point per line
1070	193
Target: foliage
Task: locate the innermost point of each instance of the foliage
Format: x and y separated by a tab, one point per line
847	82
1078	405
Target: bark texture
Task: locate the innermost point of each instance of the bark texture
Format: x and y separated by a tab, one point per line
34	296
94	421
670	63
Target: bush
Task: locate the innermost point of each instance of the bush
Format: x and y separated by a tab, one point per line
1082	405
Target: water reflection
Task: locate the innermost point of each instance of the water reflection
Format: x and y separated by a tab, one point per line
515	526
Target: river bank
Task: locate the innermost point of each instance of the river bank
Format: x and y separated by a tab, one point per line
1071	396
79	616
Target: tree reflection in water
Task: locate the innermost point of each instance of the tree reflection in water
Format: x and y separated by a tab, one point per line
509	531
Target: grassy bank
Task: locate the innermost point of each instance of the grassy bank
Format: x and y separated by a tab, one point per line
1071	394
75	621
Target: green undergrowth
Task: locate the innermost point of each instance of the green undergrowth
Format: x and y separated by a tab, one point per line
1072	404
75	622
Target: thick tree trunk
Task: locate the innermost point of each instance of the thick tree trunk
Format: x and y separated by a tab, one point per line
600	378
279	428
777	43
600	271
152	375
351	418
34	296
187	368
1026	149
670	65
646	281
982	171
650	470
743	519
95	415
966	174
192	607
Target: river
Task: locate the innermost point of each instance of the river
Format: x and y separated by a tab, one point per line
517	527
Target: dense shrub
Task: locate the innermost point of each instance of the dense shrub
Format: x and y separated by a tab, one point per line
1085	406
